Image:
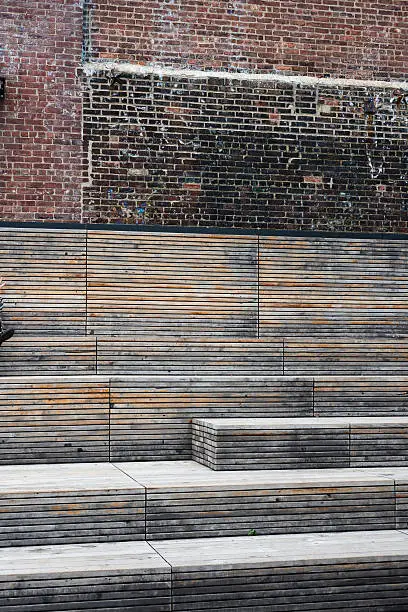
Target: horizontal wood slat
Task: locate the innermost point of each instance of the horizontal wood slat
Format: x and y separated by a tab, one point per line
190	356
27	355
333	285
45	272
352	356
253	444
124	576
361	396
59	419
163	284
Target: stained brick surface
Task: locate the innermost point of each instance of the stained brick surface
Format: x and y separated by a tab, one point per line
172	150
205	151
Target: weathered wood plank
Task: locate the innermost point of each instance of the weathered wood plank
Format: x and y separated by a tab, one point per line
163	284
45	274
333	286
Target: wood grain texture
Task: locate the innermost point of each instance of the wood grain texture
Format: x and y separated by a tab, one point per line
157	355
28	355
69	503
346	355
163	284
333	286
45	274
361	395
58	419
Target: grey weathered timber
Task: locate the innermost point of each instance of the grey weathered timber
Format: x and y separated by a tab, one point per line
151	415
124	576
348	356
45	272
62	504
248	443
48	355
190	356
288	573
187	500
361	395
334	286
54	419
164	284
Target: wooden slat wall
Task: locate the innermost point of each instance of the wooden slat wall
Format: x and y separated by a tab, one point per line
192	285
333	286
163	284
190	356
45	271
151	416
361	396
46	420
48	355
156	355
352	356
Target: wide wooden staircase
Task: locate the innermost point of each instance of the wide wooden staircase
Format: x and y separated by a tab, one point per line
203	421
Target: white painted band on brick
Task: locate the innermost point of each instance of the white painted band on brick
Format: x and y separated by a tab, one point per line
91	68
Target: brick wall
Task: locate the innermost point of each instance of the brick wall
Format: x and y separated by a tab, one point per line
40	117
210	151
222	152
358	38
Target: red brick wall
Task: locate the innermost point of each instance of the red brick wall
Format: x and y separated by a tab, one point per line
40	118
352	38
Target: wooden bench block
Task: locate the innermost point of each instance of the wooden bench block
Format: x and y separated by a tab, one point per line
248	444
151	415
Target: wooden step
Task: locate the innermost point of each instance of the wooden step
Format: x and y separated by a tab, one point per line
199	355
187	500
333	356
82	418
280	573
253	443
126	576
290	573
98	502
146	418
69	503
